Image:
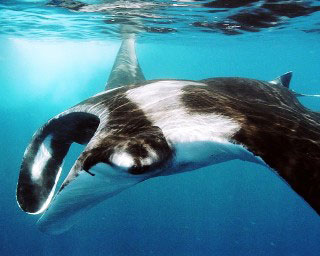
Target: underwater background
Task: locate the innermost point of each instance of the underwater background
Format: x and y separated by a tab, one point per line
54	54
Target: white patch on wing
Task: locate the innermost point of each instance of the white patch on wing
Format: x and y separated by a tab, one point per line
47	202
43	155
161	102
122	159
199	139
152	157
40	160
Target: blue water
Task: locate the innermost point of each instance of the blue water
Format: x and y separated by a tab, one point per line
234	208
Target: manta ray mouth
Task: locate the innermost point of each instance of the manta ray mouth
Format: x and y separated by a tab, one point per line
43	159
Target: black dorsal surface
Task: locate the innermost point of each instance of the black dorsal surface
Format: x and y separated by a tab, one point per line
274	126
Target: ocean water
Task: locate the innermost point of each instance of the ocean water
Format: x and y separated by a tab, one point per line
56	54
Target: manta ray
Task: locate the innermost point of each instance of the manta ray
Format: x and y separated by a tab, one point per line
137	129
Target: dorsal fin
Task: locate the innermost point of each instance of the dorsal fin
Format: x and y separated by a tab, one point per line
126	69
283	80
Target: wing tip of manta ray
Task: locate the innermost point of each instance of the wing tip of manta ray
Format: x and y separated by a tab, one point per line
44	156
49	229
283	80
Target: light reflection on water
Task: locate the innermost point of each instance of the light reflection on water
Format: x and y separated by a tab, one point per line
164	20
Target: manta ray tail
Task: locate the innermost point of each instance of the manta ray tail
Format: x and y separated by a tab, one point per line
305	95
126	69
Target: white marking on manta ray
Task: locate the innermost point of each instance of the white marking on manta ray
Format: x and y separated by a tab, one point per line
105	92
152	158
47	202
200	139
40	160
166	111
122	159
94	107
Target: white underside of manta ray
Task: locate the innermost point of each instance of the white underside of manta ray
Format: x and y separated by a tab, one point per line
138	129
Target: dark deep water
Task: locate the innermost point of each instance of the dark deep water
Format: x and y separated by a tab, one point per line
55	55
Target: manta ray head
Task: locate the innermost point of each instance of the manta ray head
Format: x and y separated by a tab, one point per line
114	159
136	152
